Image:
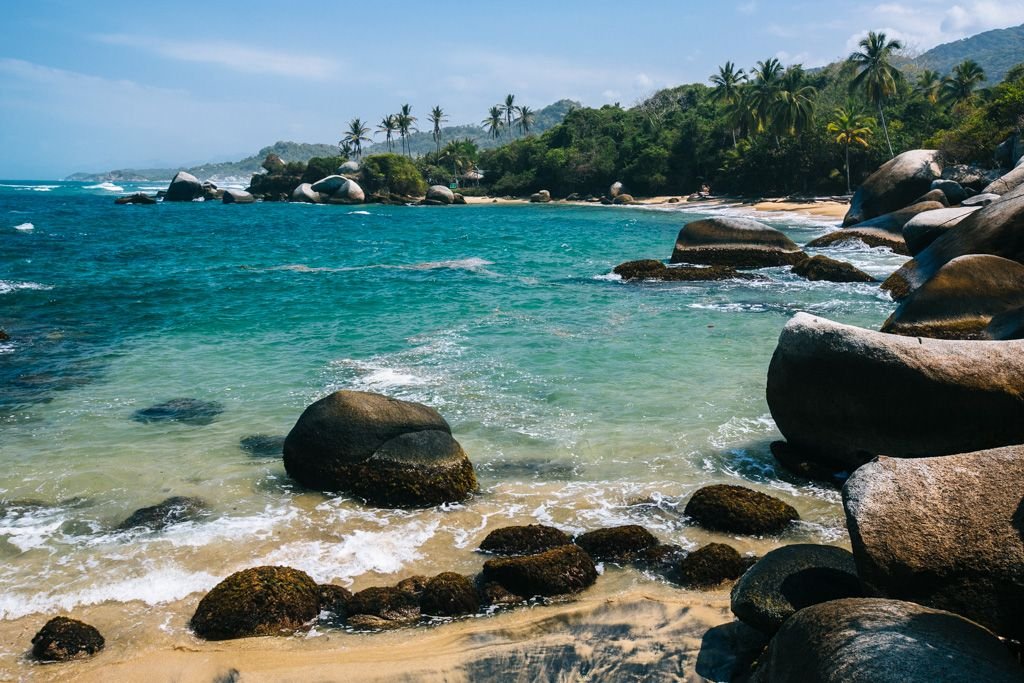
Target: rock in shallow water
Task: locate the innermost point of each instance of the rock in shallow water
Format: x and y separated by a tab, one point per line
872	237
62	639
170	511
735	242
616	544
568	569
449	595
190	411
260	601
184	187
524	540
263	445
651	269
711	565
819	268
390	604
735	509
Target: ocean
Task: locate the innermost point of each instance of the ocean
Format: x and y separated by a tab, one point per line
583	401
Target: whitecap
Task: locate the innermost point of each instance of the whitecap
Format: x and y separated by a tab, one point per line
608	277
359	213
472	264
8	286
108	186
25	227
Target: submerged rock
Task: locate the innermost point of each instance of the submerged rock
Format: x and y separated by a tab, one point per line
861	640
711	565
894	185
818	268
617	544
791	578
736	509
567	569
390	452
524	540
260	601
841	394
449	595
872	237
925	228
393	605
263	445
945	532
651	269
170	511
62	639
190	411
137	198
736	242
184	187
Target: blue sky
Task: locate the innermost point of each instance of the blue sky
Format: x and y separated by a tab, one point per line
95	86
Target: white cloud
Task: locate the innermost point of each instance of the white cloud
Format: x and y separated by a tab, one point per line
233	56
747	7
922	28
643	81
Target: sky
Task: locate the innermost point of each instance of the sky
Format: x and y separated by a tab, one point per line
94	86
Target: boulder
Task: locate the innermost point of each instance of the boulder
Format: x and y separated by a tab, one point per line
959	301
273	164
211	192
349	167
872	237
895	220
1005	326
184	187
739	510
818	268
440	193
651	269
623	199
393	606
524	540
972	178
62	639
997	229
925	228
617	544
663	558
449	595
736	242
864	640
711	565
933	195
567	569
170	511
945	532
190	411
305	193
389	452
413	584
615	190
953	191
137	198
260	601
458	199
334	599
542	197
980	199
1007	183
348	193
329	185
237	197
841	394
791	578
895	185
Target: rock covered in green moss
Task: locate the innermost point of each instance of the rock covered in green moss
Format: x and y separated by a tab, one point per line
449	595
711	565
524	540
170	511
62	639
259	601
568	569
822	268
616	544
736	509
388	604
334	599
390	452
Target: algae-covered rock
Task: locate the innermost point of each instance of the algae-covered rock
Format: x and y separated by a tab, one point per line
391	604
711	565
449	595
568	569
524	540
170	511
736	509
190	411
334	599
616	544
62	639
651	269
260	601
818	268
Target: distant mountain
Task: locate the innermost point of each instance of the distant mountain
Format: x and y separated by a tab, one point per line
996	51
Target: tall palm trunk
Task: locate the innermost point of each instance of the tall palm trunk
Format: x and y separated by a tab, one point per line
848	189
885	128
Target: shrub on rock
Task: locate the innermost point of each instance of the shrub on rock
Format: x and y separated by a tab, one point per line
616	544
392	173
524	540
62	639
567	569
736	509
260	601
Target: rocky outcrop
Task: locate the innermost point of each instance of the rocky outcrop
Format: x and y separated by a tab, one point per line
449	595
441	194
304	193
711	565
190	411
739	510
617	544
211	192
334	599
273	164
736	242
387	607
62	639
959	301
791	578
173	510
184	187
980	199
895	220
237	197
997	229
883	641
260	601
1006	326
542	197
822	268
137	198
567	569
651	269
390	452
624	199
925	228
872	237
350	167
895	185
954	191
336	189
1007	183
841	394
945	532
524	540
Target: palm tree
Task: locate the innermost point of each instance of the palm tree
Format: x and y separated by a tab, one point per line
742	113
436	118
959	87
406	124
794	104
727	87
494	121
876	75
388	125
929	85
510	110
765	93
850	128
526	119
357	135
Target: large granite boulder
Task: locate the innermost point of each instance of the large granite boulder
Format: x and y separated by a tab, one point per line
739	510
1007	183
616	189
867	640
329	185
822	268
440	193
842	395
736	242
304	193
350	167
790	578
872	237
562	570
260	601
348	193
925	228
895	185
895	220
954	191
237	197
1006	326
389	452
980	200
997	229
959	301
184	187
62	639
542	197
945	532
273	164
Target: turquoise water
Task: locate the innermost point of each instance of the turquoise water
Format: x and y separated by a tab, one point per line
577	396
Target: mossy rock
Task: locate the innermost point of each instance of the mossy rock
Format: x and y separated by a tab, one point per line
62	639
822	268
711	565
260	601
736	509
568	569
662	558
616	544
385	602
651	269
334	599
170	511
493	594
413	584
524	540
449	595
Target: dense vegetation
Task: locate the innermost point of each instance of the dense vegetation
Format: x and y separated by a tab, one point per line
997	51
